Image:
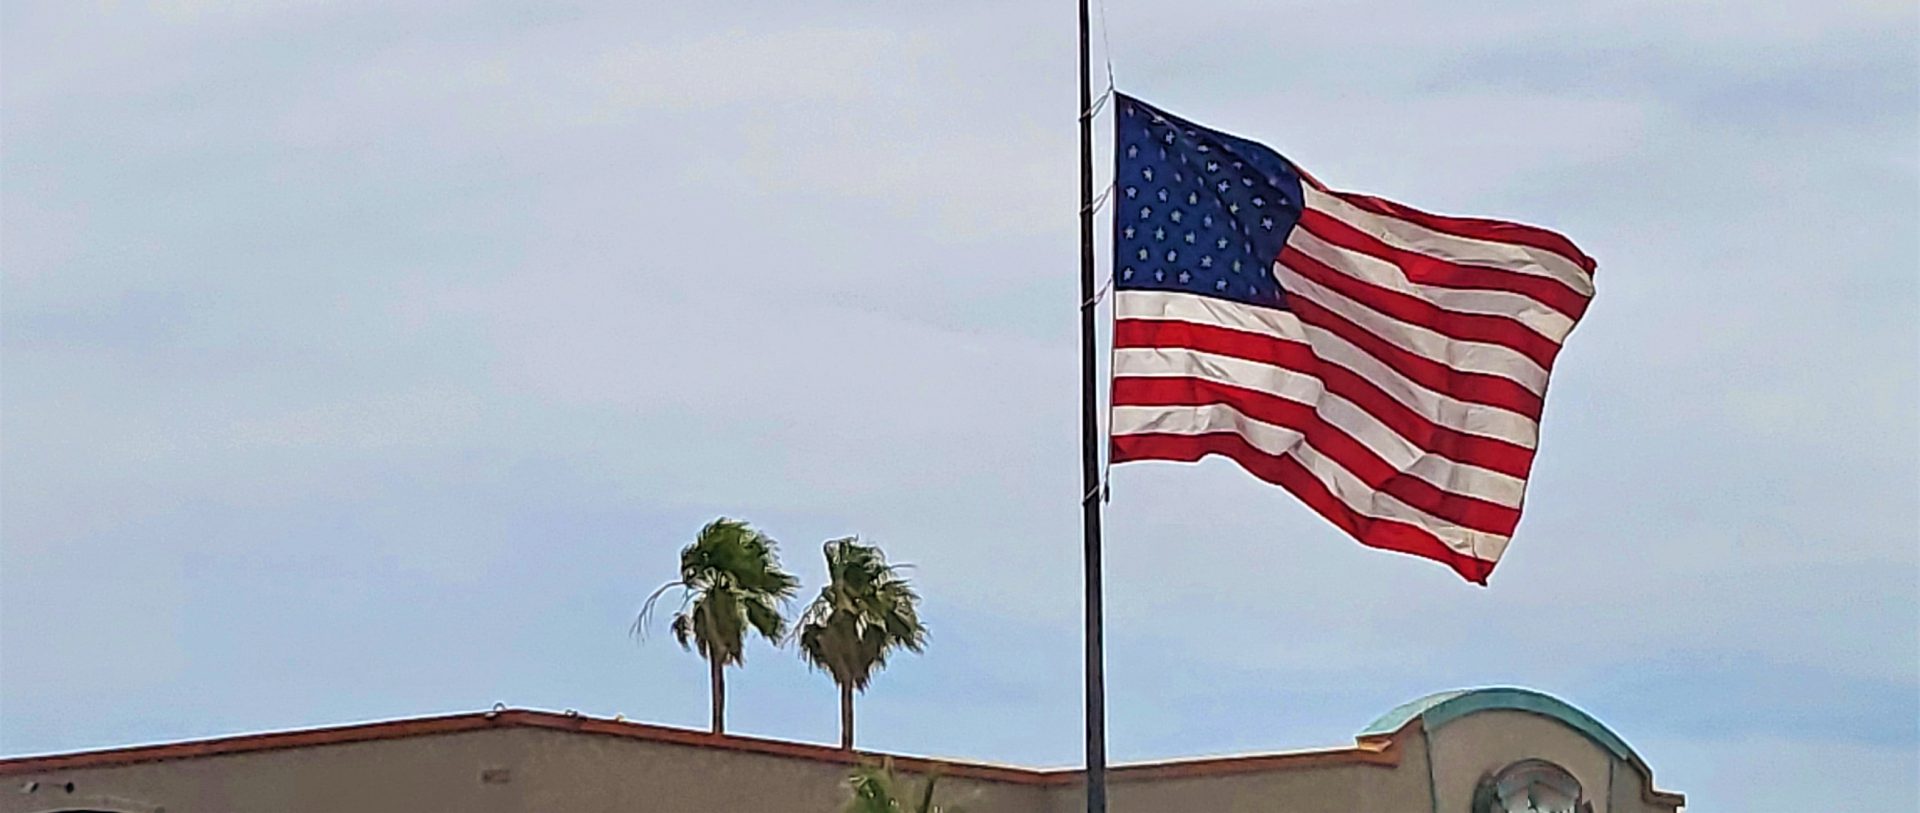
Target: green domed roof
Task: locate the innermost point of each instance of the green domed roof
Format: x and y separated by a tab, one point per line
1438	709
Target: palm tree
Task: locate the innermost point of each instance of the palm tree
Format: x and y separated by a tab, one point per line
730	582
866	610
877	790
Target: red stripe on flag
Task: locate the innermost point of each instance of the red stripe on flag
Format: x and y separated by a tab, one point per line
1332	441
1477	450
1287	473
1151	333
1479	388
1493	231
1422	269
1472	327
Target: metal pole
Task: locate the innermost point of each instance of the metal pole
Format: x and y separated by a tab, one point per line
1090	451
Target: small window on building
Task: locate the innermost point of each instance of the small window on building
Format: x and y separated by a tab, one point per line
1530	786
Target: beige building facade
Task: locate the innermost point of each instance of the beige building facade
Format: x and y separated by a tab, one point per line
1478	751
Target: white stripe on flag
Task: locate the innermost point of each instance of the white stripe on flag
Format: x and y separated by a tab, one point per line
1280	441
1464	356
1549	323
1395	450
1452	413
1205	310
1453	248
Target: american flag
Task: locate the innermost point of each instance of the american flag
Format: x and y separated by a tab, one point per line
1385	365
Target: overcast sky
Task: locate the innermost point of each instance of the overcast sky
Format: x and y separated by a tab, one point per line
366	360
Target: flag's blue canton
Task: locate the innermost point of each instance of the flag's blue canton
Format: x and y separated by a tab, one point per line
1198	210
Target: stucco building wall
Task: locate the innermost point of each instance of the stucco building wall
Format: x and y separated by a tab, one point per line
566	771
1428	756
1475	746
503	770
1306	788
425	773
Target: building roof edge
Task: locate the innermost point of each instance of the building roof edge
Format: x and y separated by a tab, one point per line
1368	751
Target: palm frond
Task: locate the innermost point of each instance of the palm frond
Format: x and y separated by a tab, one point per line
682	627
731	583
640	621
866	610
872	790
765	617
877	789
721	624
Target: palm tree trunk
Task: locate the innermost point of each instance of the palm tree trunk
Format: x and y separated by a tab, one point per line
717	676
846	716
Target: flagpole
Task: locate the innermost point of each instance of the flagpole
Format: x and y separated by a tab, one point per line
1096	718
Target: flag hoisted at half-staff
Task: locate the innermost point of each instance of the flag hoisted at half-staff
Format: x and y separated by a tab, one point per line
1385	365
